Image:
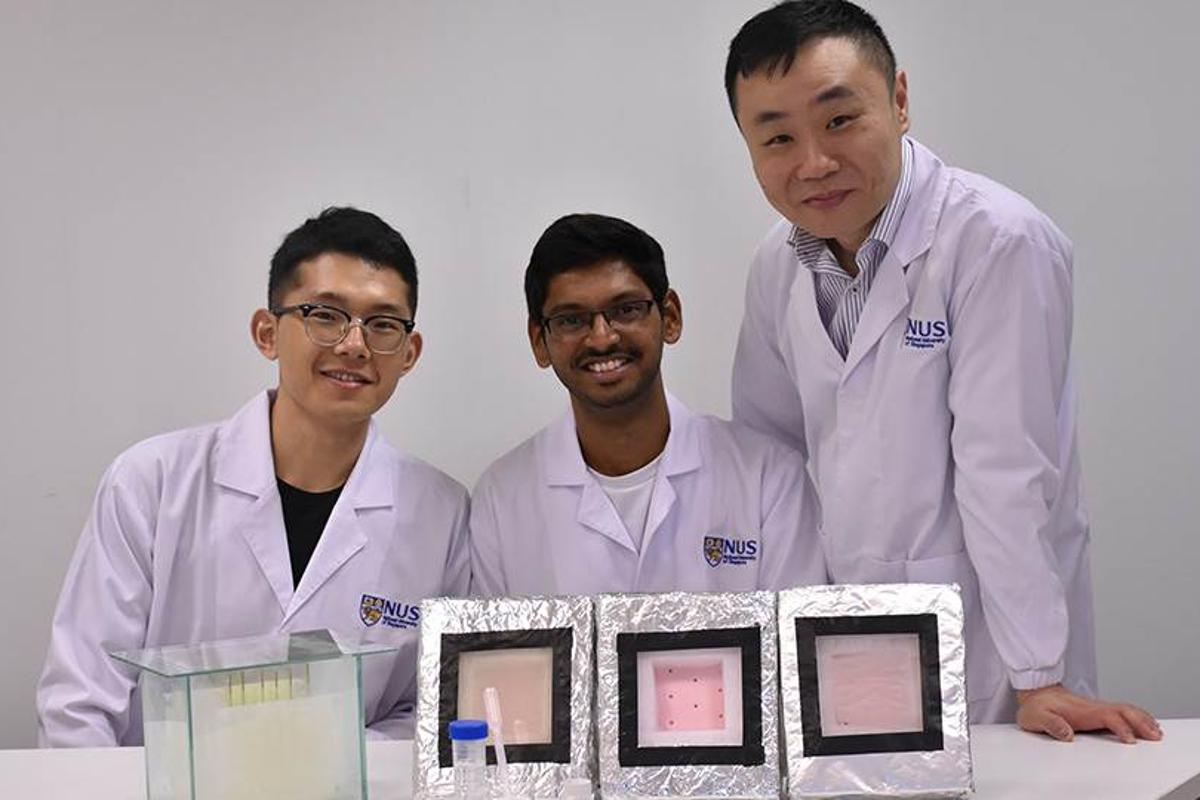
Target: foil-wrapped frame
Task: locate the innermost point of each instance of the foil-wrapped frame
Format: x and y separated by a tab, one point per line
452	626
932	763
675	621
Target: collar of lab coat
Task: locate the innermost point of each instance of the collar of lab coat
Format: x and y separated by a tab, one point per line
890	289
563	456
245	462
920	220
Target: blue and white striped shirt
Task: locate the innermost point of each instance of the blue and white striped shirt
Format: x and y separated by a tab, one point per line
840	298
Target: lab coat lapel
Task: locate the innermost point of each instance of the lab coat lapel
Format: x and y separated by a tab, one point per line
596	512
369	486
681	455
810	341
245	464
887	300
889	296
565	467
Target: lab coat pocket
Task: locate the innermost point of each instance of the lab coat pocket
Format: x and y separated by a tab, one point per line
856	567
985	674
954	568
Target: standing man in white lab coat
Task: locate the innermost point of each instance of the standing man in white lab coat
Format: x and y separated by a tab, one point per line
294	514
908	328
629	490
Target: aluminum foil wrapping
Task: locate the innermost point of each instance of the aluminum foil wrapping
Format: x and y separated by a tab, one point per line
944	773
494	615
680	612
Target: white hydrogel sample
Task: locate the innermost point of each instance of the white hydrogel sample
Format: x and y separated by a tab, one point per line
869	683
264	746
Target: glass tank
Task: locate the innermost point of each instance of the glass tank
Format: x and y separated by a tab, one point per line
269	716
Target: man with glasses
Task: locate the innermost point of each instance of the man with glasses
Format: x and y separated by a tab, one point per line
629	490
293	515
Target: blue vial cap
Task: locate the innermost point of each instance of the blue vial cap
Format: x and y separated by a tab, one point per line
468	730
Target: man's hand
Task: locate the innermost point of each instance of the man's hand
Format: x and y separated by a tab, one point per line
1059	712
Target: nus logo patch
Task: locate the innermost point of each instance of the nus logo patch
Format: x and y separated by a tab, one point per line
373	610
720	550
925	334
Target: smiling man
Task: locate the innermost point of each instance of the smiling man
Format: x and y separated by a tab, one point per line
629	490
908	328
293	515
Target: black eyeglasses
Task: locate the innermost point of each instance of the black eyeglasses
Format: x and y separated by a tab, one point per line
622	316
328	325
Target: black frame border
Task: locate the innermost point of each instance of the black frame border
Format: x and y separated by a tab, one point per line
749	754
560	640
926	628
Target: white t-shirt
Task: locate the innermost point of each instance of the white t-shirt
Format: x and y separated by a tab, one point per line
631	495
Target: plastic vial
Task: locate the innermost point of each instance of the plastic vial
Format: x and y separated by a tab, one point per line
467	741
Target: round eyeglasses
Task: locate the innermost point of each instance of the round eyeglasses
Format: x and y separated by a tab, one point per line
327	326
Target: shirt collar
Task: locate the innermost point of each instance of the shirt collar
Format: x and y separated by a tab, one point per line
809	249
245	460
563	456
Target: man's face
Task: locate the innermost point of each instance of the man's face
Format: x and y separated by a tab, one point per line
605	365
825	138
345	383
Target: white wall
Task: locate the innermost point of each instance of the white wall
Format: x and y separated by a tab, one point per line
152	155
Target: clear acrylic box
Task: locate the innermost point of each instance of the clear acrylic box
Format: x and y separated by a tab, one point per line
276	716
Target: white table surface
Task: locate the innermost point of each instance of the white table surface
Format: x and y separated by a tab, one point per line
1009	765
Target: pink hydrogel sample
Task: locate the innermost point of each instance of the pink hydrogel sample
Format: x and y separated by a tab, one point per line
690	696
870	683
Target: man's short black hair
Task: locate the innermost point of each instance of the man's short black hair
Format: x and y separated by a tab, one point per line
585	240
350	232
770	40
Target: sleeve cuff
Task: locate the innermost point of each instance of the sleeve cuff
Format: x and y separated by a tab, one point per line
1035	678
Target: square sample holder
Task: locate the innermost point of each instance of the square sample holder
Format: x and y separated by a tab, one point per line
873	689
686	698
538	653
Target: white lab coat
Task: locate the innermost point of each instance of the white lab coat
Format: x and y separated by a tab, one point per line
542	524
186	543
943	447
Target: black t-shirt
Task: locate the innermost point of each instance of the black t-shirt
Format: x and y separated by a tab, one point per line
304	518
